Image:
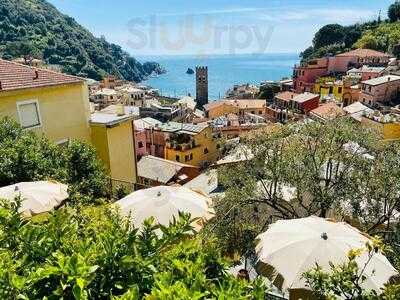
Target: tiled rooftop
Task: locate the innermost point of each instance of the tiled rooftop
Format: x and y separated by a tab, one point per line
382	80
159	169
107	118
182	127
300	98
328	111
14	76
240	103
363	53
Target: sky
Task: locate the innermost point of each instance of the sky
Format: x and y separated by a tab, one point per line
206	27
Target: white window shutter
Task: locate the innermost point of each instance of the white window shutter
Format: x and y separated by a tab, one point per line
29	115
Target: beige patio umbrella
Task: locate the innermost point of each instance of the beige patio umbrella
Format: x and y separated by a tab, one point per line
165	202
289	248
37	196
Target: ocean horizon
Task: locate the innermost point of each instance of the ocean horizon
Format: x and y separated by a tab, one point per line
224	71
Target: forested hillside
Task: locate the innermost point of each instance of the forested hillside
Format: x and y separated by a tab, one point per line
37	28
381	35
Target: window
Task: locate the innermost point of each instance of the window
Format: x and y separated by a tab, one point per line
205	151
177	158
191	156
29	115
340	90
140	144
186	158
260	112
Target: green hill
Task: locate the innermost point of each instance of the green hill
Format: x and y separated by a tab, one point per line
376	34
37	28
386	37
335	38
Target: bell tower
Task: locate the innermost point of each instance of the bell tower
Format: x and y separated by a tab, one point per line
201	86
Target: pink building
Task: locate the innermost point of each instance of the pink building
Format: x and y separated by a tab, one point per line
152	140
141	145
304	76
366	73
304	102
381	89
357	58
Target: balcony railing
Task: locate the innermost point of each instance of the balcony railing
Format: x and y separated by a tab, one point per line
180	147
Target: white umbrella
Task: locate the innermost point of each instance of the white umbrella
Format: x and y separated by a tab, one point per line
37	197
289	248
165	202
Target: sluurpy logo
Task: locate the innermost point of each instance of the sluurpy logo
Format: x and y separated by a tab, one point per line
201	33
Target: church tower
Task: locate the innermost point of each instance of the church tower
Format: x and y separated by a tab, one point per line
201	86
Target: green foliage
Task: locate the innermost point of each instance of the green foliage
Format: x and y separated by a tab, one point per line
27	157
36	28
120	192
383	38
93	253
334	39
329	35
345	281
394	12
377	35
309	169
268	91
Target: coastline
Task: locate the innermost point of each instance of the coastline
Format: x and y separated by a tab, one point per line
225	71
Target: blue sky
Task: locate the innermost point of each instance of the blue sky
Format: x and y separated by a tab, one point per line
204	27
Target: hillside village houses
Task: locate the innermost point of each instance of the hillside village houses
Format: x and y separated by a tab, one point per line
57	106
244	91
38	99
305	75
132	127
380	89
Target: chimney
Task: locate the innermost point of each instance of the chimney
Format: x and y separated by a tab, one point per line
120	110
36	75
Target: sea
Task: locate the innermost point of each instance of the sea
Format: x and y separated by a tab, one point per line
224	72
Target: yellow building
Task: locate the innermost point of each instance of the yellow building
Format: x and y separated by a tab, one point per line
190	144
49	103
56	105
220	108
386	125
328	87
113	137
237	106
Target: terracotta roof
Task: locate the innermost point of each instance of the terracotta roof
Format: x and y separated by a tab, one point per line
240	103
215	104
328	111
382	80
290	96
364	53
285	96
159	169
14	76
248	103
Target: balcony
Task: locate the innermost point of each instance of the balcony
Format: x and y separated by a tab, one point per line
179	145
